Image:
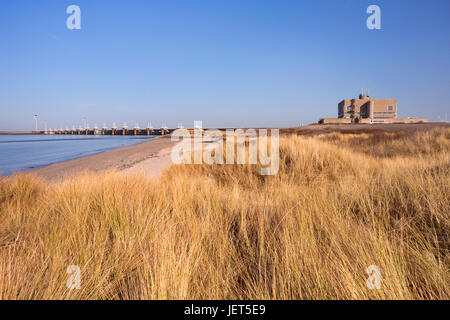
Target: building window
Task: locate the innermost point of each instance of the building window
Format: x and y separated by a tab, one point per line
349	108
390	108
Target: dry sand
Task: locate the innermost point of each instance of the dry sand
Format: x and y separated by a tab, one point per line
151	157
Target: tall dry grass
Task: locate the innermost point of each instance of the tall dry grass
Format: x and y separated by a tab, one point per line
338	204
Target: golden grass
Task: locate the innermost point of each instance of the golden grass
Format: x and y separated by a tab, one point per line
336	206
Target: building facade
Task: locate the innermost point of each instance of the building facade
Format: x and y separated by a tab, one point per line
368	110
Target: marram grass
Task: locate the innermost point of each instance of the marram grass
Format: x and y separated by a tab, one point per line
338	204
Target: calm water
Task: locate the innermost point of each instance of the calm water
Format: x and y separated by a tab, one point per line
24	152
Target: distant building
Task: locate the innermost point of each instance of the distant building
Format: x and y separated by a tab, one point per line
368	110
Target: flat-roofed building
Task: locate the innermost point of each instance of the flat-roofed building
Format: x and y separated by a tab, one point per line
368	110
365	107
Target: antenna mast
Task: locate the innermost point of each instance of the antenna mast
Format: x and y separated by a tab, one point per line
35	122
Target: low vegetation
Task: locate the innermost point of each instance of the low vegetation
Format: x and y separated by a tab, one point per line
339	203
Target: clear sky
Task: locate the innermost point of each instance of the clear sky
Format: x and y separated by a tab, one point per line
229	63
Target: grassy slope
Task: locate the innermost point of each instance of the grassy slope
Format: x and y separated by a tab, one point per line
336	206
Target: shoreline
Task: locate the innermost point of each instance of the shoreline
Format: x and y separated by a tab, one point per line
151	156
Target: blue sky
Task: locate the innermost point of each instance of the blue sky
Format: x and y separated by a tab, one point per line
228	63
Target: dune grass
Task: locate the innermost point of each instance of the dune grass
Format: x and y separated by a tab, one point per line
339	203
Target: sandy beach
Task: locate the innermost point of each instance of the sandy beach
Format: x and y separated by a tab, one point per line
151	157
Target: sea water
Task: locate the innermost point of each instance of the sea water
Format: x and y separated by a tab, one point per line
26	152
